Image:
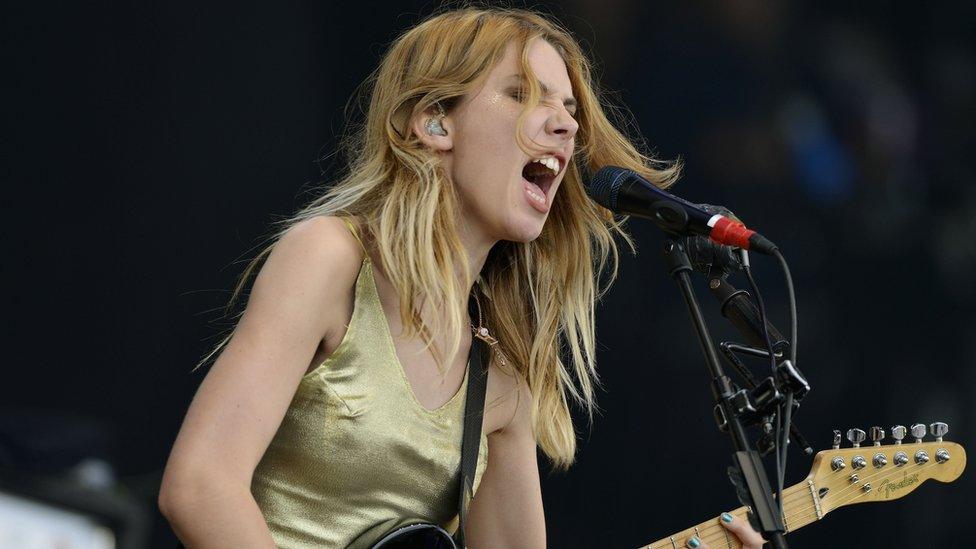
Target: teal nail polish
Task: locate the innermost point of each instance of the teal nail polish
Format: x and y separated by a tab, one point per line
694	543
727	518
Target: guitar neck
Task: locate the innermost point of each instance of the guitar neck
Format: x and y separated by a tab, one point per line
801	506
895	470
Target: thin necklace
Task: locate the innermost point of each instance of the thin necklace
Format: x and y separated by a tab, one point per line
481	332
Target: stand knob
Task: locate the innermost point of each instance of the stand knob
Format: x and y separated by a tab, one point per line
918	431
856	436
938	430
898	433
877	435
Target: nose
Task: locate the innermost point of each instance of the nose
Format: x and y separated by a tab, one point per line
561	123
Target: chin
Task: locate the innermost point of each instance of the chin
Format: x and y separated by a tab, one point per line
526	229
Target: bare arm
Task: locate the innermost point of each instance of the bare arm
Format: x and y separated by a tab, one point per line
300	296
507	509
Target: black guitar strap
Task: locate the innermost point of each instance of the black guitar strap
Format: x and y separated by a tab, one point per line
474	410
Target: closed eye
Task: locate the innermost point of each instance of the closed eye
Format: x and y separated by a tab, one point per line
571	109
519	96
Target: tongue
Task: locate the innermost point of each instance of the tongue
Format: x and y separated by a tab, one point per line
535	188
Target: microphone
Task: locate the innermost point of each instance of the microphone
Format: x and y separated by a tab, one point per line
626	192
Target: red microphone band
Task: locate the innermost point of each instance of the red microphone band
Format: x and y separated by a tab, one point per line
730	233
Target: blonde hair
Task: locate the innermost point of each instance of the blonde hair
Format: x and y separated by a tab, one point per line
537	297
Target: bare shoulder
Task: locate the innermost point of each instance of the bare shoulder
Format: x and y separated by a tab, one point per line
300	294
508	397
322	240
319	256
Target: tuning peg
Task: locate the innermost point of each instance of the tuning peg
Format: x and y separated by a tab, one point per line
938	430
877	435
918	431
837	438
898	433
856	436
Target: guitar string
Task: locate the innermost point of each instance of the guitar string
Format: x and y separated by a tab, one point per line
800	492
704	534
862	493
804	494
709	529
704	529
860	484
801	513
808	511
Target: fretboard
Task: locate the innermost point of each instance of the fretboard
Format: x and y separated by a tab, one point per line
801	506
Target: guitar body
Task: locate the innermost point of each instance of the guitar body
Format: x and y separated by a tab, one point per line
417	536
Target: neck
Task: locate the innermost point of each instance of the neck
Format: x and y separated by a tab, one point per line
477	243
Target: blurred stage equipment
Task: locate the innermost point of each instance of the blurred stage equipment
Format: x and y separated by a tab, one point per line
55	490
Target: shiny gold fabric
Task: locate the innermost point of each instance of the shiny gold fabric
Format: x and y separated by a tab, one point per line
357	454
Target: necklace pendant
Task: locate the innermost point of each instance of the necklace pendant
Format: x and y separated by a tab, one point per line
483	334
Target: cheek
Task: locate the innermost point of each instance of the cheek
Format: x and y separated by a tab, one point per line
486	157
487	153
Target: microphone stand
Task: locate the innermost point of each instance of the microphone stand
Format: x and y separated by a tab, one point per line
727	414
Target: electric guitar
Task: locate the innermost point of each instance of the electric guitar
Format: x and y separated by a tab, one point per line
845	476
839	477
417	536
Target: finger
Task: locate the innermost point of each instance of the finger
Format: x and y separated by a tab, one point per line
743	530
695	542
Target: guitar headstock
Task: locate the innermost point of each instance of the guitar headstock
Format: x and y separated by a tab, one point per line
882	472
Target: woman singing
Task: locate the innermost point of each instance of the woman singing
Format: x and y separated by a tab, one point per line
334	411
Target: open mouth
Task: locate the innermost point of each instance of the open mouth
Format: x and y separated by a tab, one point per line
540	175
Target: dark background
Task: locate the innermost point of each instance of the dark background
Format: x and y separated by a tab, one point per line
151	144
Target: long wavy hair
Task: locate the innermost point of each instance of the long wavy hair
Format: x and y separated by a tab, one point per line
537	297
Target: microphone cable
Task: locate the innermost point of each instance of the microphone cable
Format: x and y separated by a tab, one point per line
785	411
788	405
760	304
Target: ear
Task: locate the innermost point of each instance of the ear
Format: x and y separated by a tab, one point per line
437	143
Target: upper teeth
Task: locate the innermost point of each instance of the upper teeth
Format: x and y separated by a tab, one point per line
550	162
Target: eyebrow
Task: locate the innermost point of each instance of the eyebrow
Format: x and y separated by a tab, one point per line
547	91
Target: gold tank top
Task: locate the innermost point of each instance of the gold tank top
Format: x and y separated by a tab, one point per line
357	454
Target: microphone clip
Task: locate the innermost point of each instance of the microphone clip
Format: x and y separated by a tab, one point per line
757	403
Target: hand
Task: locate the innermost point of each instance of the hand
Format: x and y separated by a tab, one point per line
737	526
